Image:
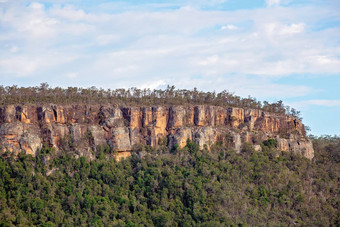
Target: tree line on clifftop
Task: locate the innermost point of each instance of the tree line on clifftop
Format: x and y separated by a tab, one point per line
178	187
134	96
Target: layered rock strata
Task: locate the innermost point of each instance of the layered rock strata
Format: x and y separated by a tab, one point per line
83	127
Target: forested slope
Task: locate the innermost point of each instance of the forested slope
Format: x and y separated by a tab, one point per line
184	187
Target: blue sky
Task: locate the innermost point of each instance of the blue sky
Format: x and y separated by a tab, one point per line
269	49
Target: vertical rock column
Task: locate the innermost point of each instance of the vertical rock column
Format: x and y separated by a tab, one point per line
235	116
18	131
120	139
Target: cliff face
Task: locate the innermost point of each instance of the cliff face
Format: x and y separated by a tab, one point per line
82	127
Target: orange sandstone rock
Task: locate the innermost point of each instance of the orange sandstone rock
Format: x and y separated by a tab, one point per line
26	128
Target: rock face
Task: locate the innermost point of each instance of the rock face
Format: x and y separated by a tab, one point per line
81	127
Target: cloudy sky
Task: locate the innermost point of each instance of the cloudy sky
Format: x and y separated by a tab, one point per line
269	49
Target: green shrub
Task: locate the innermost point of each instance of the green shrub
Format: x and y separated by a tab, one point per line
271	143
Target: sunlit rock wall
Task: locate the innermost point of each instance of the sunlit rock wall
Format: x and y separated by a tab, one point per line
82	127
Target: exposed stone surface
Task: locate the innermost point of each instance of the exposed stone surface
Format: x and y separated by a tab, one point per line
115	118
235	117
30	140
176	118
257	148
205	136
282	144
237	143
17	136
121	155
26	128
9	114
180	137
120	139
98	135
303	147
220	116
10	134
251	116
79	135
199	117
160	120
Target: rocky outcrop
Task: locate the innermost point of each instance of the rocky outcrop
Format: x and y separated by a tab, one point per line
81	127
300	146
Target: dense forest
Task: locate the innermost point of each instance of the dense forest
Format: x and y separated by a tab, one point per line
134	96
176	187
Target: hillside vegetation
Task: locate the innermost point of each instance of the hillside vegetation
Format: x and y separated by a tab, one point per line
133	96
177	187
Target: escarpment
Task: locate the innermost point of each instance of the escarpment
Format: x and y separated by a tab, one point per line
83	127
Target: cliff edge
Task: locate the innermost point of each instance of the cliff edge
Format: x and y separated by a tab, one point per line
83	127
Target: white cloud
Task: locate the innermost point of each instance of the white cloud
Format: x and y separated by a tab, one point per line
28	22
329	103
36	6
325	60
292	29
229	27
69	13
317	102
72	75
130	47
26	66
211	60
271	3
14	49
39	27
105	39
152	84
19	66
276	29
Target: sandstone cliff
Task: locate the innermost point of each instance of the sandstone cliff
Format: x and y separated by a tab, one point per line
83	127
